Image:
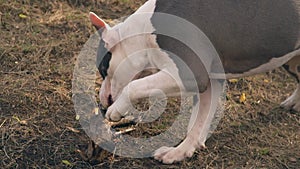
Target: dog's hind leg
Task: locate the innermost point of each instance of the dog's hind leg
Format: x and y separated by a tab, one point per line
293	67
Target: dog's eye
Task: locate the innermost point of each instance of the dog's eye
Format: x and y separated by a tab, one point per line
104	65
103	59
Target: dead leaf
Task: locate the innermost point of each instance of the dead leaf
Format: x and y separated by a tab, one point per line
243	98
22	16
66	162
96	110
233	80
77	117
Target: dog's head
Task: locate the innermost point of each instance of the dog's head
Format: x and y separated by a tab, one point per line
117	59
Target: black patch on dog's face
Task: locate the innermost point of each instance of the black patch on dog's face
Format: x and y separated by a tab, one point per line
298	69
103	59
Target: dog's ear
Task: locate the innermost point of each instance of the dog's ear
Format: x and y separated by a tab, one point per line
98	22
110	36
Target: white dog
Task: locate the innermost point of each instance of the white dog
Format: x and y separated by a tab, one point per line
249	36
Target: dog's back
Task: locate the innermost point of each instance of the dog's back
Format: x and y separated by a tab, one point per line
246	34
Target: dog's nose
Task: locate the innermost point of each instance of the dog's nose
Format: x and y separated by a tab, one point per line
110	100
102	108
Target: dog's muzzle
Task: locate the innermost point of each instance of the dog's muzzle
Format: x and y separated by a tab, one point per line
103	109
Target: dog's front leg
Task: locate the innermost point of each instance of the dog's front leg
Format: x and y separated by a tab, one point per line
199	125
141	88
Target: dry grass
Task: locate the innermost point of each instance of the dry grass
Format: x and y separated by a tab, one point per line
37	119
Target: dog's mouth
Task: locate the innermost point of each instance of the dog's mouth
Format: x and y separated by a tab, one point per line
104	109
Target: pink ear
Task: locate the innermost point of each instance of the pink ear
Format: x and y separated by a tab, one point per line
96	21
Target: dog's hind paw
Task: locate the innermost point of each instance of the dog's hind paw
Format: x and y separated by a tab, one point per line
293	102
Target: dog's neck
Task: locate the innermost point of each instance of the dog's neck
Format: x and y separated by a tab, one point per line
136	32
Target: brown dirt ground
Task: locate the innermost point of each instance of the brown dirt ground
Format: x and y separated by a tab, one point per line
37	119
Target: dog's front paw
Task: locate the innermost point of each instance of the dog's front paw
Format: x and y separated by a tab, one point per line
169	155
112	113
